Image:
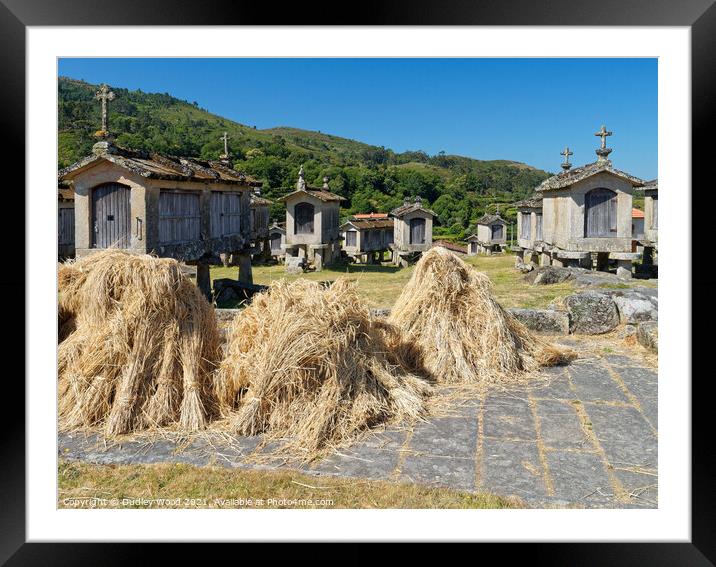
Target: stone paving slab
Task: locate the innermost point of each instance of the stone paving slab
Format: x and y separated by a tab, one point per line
593	443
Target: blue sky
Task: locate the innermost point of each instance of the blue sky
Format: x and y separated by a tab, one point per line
521	109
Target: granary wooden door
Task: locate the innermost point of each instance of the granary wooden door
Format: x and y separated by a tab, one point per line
497	232
225	213
66	226
111	216
600	213
303	222
538	226
417	231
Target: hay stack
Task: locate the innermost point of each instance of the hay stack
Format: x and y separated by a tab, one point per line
141	345
308	364
448	310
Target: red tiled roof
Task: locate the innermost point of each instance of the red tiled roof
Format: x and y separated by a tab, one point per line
637	214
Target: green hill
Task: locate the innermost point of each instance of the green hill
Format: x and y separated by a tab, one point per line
372	178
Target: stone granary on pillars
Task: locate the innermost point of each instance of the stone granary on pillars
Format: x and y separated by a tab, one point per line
184	208
491	235
368	237
412	231
277	239
312	230
65	221
587	214
651	221
529	229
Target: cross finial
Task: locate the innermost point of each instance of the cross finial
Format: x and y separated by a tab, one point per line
566	153
301	185
603	151
603	135
104	95
225	139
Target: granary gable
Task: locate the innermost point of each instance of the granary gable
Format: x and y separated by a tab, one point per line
303	189
407	207
570	177
156	166
491	219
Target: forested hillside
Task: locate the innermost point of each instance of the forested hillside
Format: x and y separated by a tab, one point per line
372	178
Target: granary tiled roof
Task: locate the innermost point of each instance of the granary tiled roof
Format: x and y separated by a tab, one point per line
157	166
317	192
258	201
450	246
531	202
572	176
368	224
410	208
652	185
65	192
370	216
489	219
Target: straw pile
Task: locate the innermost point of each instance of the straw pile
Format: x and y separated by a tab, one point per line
448	310
138	345
308	364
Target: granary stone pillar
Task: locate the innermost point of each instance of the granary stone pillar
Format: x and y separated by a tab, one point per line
519	257
557	262
624	269
586	262
243	261
318	259
203	280
602	261
545	259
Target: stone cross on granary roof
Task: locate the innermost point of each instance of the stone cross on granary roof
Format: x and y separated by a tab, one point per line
603	151
225	139
104	95
566	153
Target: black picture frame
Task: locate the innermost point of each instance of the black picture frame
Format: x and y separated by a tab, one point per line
699	15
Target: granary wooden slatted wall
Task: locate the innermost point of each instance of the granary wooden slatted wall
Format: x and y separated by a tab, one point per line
275	241
600	215
525	225
66	226
497	231
417	231
351	238
225	212
111	214
179	216
304	213
538	226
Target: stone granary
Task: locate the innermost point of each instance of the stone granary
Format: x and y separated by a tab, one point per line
277	239
491	235
529	229
587	214
651	221
188	209
65	221
368	237
412	232
260	224
312	231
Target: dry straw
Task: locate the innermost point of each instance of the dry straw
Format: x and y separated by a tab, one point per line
138	345
309	365
448	310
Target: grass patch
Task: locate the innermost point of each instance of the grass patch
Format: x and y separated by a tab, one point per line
186	486
381	285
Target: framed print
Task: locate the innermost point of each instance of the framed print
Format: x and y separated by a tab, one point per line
390	279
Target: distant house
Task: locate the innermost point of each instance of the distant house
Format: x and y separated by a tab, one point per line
491	235
587	213
529	228
412	231
65	221
312	216
368	237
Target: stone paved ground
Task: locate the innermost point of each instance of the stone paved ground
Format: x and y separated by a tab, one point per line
585	438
